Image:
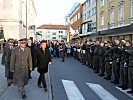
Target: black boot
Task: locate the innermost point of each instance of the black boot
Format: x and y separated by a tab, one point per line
130	92
124	87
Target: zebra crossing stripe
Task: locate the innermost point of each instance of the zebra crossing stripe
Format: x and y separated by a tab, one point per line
72	91
101	92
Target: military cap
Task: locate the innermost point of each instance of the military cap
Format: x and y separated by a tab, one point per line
11	40
22	40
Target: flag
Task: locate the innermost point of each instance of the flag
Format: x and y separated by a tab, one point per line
73	33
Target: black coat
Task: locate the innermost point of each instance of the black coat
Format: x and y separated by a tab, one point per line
42	60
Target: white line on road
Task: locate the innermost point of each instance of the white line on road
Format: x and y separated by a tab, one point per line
101	92
72	91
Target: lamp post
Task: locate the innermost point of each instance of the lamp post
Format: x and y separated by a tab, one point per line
26	20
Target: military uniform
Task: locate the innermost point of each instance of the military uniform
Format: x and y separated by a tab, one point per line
96	59
74	51
130	68
124	67
62	50
87	54
21	62
108	62
84	53
101	52
91	56
116	63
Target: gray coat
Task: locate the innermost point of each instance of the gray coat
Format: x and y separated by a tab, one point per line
20	63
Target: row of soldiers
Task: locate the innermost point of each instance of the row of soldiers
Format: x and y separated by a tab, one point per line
111	60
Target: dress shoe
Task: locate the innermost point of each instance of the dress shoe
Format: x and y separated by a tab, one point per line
107	78
45	89
96	72
113	81
9	84
40	86
101	74
130	92
124	87
24	96
62	61
116	82
121	86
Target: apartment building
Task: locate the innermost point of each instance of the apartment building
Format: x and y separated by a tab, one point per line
114	19
51	32
89	18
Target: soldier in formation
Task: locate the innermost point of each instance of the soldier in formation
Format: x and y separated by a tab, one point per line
111	60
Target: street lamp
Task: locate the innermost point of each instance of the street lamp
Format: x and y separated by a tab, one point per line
26	19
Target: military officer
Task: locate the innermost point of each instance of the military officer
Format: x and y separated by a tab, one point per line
101	52
130	69
96	57
62	50
21	62
108	60
88	52
116	61
124	64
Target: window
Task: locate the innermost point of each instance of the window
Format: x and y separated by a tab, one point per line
102	3
89	27
112	17
110	0
53	37
60	31
89	14
54	33
121	13
102	19
89	3
85	16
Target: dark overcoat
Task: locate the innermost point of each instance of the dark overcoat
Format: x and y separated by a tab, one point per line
6	59
42	60
21	61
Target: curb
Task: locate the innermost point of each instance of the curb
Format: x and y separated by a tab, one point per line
50	97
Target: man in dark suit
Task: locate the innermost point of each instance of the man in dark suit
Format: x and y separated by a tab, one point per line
30	45
7	57
43	58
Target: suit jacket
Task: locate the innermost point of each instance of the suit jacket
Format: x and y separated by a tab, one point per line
42	60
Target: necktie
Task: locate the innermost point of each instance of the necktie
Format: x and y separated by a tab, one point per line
44	51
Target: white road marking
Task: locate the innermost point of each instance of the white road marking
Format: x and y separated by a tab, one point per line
72	91
125	91
101	92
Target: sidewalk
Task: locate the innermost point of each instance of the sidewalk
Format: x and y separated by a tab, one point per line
32	90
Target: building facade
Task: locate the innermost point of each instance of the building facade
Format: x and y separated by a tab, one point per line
74	19
52	32
114	19
89	18
16	18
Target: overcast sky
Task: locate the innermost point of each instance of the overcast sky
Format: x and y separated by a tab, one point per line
53	11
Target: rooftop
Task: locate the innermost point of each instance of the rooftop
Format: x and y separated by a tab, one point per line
50	26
